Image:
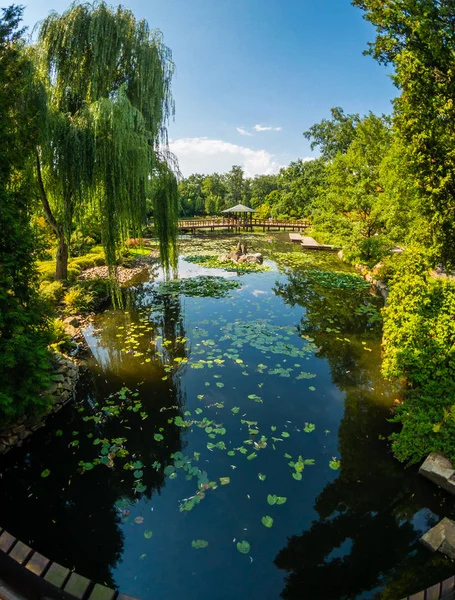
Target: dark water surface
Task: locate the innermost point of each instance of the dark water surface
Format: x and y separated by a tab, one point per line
173	374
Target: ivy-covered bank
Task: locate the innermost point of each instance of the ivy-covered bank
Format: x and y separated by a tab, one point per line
419	352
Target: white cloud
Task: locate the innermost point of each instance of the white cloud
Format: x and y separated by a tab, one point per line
206	155
266	128
243	131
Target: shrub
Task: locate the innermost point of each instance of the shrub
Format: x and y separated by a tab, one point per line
52	292
78	300
419	352
46	270
60	340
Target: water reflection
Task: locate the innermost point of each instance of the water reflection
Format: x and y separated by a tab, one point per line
365	537
74	516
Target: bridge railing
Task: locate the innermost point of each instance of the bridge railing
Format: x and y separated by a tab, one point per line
232	222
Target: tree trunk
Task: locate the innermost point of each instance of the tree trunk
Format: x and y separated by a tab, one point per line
61	269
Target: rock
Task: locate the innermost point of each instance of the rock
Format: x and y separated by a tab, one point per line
3	448
12	441
72	321
18	429
438	469
58	378
441	537
24	434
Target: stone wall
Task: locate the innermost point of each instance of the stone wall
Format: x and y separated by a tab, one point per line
64	378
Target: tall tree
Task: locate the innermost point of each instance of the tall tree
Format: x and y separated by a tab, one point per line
300	184
235	184
418	38
106	84
349	209
333	136
24	359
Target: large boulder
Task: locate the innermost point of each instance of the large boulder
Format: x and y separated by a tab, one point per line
438	469
251	258
441	538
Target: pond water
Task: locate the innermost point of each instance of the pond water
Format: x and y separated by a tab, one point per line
230	438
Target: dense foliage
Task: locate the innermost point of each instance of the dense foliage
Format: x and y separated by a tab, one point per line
24	359
419	351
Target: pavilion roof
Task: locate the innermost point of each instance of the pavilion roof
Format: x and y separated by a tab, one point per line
238	208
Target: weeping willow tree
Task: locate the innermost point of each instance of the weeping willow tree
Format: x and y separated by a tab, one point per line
105	82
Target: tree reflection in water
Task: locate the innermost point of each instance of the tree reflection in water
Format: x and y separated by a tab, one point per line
56	515
372	514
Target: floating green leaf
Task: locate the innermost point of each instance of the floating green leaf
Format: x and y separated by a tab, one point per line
158	437
243	547
334	464
309	427
271	499
45	473
225	480
198	544
148	533
262	477
267	521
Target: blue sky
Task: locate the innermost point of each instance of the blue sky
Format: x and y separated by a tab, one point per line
266	63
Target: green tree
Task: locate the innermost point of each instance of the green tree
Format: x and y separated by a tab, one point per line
235	184
418	38
192	198
349	209
214	190
105	80
300	184
24	359
261	187
333	136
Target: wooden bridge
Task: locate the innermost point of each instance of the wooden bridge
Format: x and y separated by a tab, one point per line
232	224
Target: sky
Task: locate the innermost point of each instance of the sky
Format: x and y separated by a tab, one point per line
253	75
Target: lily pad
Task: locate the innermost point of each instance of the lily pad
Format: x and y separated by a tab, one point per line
267	521
148	533
243	547
45	473
198	544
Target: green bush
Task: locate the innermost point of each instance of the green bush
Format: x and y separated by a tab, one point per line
78	300
419	352
60	340
46	269
52	292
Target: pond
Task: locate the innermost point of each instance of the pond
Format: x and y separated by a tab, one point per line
229	438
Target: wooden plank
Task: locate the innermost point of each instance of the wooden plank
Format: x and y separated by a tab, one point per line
77	586
20	552
7	541
37	564
433	592
447	586
418	596
57	575
295	237
101	592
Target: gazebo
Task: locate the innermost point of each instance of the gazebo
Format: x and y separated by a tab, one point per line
243	215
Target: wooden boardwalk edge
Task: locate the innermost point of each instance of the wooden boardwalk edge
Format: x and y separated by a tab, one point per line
24	571
445	590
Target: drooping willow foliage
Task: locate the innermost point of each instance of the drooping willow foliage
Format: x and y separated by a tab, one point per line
107	80
165	199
